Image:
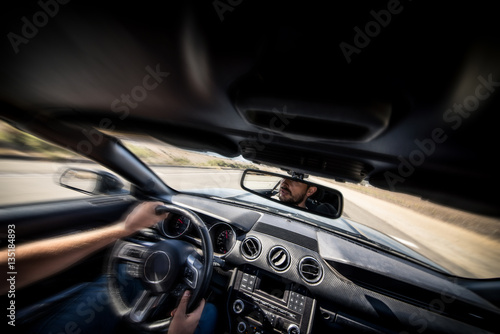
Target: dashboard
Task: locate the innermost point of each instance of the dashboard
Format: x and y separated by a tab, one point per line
278	275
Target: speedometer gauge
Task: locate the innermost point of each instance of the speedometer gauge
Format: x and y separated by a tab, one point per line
175	226
223	238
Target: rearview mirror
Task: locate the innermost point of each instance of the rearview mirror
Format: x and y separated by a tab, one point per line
293	191
91	182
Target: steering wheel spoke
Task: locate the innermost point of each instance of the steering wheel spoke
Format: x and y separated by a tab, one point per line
193	269
143	306
131	252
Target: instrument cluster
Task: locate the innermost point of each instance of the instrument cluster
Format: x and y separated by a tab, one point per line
222	234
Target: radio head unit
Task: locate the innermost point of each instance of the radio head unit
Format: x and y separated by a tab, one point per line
261	302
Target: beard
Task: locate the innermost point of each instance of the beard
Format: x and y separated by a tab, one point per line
286	196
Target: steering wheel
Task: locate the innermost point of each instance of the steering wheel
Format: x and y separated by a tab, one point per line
166	268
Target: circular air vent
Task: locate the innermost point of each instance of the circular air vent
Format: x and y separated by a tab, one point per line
250	248
310	270
279	258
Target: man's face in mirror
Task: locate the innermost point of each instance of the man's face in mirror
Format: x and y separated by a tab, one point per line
295	192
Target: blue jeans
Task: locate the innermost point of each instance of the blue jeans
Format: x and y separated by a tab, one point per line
89	311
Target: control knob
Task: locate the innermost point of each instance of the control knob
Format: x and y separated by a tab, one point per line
293	329
238	306
241	327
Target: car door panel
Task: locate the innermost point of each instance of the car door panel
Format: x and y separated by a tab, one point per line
52	219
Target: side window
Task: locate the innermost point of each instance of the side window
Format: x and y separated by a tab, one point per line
31	169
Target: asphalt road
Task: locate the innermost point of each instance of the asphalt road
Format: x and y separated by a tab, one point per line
463	252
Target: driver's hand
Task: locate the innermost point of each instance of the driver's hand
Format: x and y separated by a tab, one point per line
183	323
142	216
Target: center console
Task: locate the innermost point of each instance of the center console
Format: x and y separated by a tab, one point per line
261	302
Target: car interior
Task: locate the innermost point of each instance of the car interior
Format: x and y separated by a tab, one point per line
402	95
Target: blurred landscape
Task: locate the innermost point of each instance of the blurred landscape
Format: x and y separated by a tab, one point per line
17	144
485	225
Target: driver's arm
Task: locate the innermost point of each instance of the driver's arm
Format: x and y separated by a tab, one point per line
40	259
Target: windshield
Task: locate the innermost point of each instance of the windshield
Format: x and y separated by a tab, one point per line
449	240
460	243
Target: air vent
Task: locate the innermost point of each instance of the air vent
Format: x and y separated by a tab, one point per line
310	270
250	248
279	258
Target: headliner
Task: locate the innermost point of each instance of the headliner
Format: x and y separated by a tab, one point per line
271	82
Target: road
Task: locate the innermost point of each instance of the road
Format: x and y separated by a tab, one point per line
462	252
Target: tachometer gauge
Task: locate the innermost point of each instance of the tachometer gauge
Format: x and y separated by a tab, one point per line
223	238
175	226
224	241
